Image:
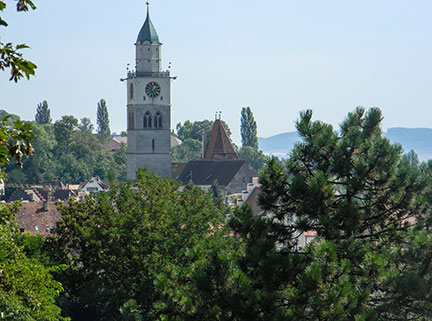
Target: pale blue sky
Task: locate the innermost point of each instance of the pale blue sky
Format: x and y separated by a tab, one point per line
277	56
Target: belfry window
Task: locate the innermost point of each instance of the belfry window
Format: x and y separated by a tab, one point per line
131	120
158	120
147	120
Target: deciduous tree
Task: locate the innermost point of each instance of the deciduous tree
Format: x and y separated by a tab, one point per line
121	248
248	128
43	114
103	120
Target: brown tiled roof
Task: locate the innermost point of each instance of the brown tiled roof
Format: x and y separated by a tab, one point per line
34	219
205	172
219	145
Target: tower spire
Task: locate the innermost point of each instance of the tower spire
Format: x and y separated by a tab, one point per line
148	31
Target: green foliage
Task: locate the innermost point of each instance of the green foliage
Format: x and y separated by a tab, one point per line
43	114
66	151
254	156
15	143
10	55
27	289
195	130
371	259
190	149
127	249
191	135
356	192
103	120
248	128
86	125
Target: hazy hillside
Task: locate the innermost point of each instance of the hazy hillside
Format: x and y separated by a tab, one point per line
418	139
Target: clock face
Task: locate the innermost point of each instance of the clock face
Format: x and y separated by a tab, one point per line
152	89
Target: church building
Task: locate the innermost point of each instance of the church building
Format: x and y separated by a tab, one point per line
148	107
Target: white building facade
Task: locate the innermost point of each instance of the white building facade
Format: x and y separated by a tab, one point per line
148	107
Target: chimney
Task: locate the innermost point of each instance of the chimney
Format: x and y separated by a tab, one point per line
45	206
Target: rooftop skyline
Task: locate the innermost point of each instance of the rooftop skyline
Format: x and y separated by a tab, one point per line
278	57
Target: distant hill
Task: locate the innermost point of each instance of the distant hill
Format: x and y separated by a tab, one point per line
418	139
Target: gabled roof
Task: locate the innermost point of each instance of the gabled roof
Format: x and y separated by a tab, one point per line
38	218
148	31
219	145
206	172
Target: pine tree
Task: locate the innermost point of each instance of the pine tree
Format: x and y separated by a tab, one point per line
43	114
103	119
248	128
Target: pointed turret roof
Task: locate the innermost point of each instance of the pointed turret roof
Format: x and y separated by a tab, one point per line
219	144
148	31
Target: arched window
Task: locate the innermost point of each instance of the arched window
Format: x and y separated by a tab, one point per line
158	120
131	120
147	120
131	91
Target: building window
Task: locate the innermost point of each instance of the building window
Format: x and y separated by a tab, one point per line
148	49
131	120
158	120
147	120
161	97
131	91
144	98
153	144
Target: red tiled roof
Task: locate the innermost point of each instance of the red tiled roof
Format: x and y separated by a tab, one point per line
34	219
219	145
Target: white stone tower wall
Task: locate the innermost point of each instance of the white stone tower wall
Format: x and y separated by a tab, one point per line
148	147
148	57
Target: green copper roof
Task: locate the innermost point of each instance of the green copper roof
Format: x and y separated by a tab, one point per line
148	31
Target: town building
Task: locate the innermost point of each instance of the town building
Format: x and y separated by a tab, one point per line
148	107
219	170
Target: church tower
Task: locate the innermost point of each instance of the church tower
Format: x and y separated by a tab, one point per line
148	107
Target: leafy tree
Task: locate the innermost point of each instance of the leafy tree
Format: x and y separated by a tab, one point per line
86	125
63	130
68	152
11	117
412	158
15	142
10	55
191	135
43	113
248	128
254	156
103	120
190	149
121	249
195	130
42	165
27	289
